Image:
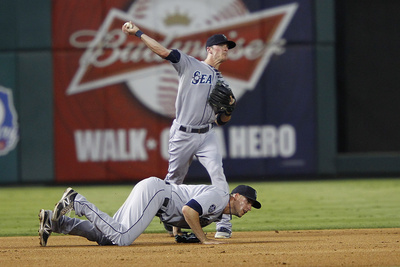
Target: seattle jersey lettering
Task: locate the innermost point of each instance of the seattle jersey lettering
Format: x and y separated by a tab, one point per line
201	78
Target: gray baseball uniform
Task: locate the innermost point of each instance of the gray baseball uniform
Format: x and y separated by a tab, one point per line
150	197
194	114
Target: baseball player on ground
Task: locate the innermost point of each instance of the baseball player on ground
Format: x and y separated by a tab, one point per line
184	206
192	133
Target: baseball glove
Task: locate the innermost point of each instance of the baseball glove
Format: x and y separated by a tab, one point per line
186	238
222	99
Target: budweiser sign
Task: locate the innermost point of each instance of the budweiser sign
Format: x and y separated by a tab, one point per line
115	99
112	57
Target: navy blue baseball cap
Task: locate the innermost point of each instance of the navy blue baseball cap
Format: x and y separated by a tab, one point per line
248	192
217	39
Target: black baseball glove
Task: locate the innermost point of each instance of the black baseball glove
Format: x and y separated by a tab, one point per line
222	98
186	238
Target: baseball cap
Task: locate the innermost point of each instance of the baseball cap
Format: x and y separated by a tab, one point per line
217	39
248	192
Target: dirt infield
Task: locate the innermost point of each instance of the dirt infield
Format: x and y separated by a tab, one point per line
366	247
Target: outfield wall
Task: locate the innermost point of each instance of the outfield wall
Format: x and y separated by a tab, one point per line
93	106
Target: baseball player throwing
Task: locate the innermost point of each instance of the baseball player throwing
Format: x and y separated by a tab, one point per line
197	111
184	206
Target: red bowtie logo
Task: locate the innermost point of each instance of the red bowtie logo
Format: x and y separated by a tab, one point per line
113	56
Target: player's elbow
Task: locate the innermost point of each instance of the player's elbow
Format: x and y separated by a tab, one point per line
185	210
163	52
188	211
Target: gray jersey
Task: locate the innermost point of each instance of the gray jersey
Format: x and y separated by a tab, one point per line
208	201
196	80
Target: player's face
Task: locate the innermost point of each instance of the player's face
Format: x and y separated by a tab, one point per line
242	205
220	52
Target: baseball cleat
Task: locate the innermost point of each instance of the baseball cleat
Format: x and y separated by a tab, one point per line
223	233
44	226
65	204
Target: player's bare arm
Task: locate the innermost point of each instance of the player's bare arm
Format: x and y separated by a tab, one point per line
192	218
152	44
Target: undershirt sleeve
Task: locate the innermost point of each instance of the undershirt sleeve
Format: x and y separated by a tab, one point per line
174	56
195	205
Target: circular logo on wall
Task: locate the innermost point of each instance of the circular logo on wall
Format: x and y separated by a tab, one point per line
8	122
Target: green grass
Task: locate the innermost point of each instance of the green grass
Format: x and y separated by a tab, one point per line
332	204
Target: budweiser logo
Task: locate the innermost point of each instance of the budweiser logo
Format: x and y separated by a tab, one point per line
112	57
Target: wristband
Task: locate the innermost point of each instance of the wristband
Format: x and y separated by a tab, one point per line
139	33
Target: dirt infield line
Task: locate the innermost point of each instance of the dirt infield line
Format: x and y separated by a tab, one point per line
361	247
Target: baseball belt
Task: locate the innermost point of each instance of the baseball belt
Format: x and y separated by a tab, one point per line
197	130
